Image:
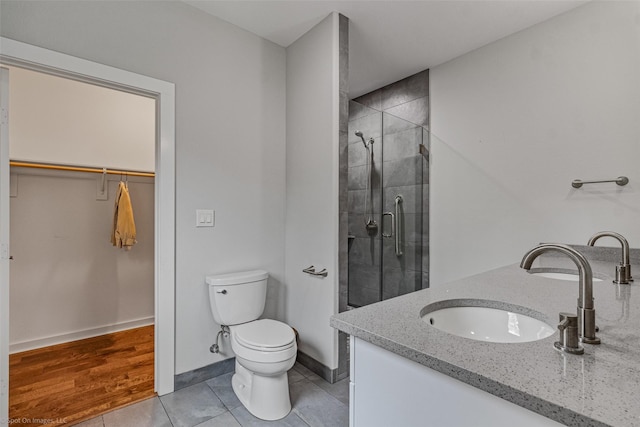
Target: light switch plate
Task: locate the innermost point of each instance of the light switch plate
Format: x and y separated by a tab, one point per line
205	218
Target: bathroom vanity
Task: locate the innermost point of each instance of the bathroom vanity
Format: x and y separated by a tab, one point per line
404	371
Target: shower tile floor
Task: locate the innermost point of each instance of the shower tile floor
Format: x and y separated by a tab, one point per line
212	403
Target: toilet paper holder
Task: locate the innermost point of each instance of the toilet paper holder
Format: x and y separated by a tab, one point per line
312	271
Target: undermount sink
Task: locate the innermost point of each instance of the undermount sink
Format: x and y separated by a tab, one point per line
478	320
572	277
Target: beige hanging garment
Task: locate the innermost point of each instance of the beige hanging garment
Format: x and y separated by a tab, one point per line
124	226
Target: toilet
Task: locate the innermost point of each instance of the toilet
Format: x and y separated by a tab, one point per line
265	349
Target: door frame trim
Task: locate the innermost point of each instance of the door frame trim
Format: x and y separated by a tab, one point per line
28	56
4	246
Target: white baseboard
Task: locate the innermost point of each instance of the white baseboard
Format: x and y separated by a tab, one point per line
78	335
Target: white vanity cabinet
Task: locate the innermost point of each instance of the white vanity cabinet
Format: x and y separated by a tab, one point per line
389	390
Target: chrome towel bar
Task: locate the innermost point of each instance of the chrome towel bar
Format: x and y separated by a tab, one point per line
621	180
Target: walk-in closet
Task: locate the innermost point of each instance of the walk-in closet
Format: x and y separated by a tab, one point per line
81	300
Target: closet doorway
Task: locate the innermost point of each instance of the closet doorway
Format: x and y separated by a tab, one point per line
76	299
162	93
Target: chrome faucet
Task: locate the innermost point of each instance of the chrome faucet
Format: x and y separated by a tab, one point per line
623	270
586	311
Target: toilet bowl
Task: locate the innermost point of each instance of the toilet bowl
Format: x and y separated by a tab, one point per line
260	381
265	349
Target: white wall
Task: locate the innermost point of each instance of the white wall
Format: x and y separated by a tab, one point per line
312	188
67	281
79	124
516	121
230	134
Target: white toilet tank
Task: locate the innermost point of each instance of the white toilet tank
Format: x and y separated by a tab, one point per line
237	298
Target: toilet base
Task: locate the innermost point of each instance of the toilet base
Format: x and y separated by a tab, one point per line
266	397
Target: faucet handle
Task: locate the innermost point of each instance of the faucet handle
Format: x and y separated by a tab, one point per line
568	328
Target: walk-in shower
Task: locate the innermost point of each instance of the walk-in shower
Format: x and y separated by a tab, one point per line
388	192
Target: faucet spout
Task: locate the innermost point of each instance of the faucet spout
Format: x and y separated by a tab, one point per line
623	271
586	310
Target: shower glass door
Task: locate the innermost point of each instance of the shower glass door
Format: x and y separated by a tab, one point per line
388	186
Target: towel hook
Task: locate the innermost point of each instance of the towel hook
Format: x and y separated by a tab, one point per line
104	178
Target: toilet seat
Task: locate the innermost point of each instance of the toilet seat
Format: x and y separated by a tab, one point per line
264	335
263	341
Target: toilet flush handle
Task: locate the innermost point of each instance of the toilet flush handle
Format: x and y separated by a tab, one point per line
221	291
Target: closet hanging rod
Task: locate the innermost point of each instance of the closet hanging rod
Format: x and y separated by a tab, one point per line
79	169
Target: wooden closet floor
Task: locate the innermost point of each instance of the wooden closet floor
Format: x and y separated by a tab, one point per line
70	382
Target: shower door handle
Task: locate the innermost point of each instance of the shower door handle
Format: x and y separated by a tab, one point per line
393	224
397	228
396	225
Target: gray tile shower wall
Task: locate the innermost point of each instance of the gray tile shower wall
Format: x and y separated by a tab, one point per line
400	92
397	117
416	111
343	219
405	90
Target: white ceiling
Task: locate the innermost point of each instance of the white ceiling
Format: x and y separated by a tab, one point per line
390	40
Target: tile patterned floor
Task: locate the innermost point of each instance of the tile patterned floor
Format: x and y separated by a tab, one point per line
212	403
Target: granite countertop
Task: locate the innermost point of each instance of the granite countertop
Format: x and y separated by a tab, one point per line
599	388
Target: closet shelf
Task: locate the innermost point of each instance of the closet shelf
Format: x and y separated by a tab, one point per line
79	169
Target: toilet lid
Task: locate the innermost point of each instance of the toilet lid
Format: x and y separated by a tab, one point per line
265	334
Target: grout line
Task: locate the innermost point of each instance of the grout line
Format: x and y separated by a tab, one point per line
237	420
217	395
299	415
302	419
165	410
